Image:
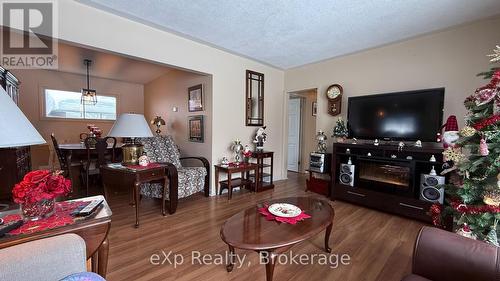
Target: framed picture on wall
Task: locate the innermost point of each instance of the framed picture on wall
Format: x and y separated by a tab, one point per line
195	98
195	127
314	108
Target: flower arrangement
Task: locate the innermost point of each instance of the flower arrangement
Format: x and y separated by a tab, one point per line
37	191
94	130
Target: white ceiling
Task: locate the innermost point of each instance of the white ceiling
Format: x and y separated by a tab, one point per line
107	65
290	33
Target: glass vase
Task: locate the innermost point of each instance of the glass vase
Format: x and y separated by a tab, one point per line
38	210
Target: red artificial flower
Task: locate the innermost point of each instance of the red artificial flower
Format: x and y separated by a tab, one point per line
38	185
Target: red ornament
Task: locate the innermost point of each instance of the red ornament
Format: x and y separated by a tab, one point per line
435	212
487	122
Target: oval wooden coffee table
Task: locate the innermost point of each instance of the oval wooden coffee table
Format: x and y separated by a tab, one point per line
250	230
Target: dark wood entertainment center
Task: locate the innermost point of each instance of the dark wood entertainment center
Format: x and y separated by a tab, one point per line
387	180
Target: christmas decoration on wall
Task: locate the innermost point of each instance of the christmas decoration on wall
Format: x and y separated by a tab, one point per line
340	131
473	196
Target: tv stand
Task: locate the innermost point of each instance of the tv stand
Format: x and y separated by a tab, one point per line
388	180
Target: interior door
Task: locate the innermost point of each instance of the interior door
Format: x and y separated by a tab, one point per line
293	134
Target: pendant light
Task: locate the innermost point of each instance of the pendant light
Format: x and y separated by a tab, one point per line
89	96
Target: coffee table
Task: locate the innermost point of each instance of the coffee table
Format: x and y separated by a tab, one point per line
250	230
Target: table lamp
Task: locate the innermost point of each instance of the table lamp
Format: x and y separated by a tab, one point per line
130	125
15	129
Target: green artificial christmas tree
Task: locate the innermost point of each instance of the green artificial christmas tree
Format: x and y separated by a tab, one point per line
473	195
340	130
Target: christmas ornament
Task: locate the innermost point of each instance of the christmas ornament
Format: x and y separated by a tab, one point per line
453	154
492	198
466	232
144	160
484	96
483	147
495	57
450	135
467	131
492	237
486	122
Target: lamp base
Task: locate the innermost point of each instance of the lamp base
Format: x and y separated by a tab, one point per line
131	153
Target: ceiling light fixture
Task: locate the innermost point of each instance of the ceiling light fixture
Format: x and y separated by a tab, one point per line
89	96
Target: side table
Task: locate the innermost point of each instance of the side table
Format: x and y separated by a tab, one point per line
93	229
260	156
230	182
116	173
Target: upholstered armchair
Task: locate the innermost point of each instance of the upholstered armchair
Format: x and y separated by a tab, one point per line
188	180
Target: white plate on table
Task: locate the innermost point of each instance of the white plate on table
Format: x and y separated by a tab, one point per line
284	210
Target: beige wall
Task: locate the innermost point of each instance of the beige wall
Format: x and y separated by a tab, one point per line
449	59
130	99
167	91
308	127
117	34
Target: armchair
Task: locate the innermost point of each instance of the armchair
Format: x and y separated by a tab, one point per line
445	256
47	259
185	180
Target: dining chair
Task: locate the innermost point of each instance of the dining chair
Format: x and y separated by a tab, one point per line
100	151
63	161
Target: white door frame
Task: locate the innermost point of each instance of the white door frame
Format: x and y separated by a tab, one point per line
284	145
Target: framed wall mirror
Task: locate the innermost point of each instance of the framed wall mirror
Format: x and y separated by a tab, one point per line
254	98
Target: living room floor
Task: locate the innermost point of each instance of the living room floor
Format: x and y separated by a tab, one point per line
380	245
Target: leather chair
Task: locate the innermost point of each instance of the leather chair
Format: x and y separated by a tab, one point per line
445	256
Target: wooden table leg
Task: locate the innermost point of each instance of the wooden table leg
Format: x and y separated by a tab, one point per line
258	181
173	195
163	198
230	266
137	185
229	186
216	176
327	238
270	263
102	259
94	262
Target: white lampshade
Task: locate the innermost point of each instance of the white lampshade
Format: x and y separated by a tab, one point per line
129	125
15	128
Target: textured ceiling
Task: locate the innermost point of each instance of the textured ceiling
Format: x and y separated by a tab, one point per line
289	33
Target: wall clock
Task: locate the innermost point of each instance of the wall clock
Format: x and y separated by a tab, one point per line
334	96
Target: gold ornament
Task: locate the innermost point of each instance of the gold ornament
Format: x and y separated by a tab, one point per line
496	55
453	154
492	198
467	131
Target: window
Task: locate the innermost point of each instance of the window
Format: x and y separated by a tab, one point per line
67	105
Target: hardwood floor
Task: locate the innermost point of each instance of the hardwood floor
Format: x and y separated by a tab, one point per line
379	244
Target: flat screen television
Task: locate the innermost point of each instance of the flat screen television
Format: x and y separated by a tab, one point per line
412	115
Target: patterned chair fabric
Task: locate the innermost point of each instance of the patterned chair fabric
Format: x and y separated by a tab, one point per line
163	149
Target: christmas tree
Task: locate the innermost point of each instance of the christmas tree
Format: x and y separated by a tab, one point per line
473	194
340	129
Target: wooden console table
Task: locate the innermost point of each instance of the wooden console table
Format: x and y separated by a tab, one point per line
112	175
93	229
230	182
260	156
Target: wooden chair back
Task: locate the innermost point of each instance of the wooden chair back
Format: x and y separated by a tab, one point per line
99	147
63	163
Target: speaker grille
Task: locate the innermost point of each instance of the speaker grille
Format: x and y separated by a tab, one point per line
345	178
430	181
430	193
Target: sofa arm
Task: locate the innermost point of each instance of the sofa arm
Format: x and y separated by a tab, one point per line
445	256
206	164
46	259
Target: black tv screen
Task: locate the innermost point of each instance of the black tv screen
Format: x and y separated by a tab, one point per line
413	115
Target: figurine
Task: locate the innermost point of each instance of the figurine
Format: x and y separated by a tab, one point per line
260	138
433	172
349	161
144	160
418	143
433	158
401	145
376	142
393	156
247	153
348	151
321	138
409	158
224	162
237	148
369	154
354	141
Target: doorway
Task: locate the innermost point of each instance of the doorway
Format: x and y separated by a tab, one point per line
301	127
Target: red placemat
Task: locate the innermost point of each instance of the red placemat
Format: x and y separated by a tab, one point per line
264	211
61	217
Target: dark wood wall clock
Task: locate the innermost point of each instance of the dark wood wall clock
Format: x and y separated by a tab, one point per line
334	96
